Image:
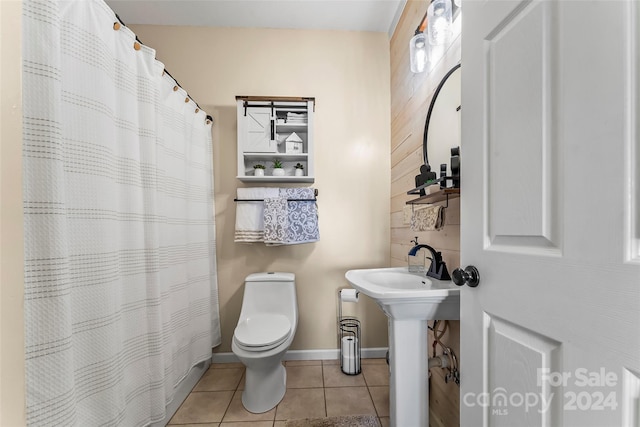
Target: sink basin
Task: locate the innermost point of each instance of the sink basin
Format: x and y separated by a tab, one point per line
404	295
409	300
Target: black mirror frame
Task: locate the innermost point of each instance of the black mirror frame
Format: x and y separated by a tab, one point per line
433	102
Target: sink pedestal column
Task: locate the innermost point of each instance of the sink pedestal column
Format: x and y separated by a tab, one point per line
408	300
409	382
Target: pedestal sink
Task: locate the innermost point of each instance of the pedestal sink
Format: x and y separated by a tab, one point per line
409	301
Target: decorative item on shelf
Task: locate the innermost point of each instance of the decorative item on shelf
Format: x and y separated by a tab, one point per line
455	166
425	176
443	175
258	170
277	168
294	143
299	169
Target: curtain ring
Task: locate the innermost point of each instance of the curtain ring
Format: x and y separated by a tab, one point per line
197	110
136	46
175	88
186	99
116	26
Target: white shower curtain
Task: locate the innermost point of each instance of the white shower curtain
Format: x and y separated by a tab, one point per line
120	272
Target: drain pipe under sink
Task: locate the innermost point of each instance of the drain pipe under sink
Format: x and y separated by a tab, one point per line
440	361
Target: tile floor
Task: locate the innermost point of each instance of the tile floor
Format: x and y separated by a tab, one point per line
315	388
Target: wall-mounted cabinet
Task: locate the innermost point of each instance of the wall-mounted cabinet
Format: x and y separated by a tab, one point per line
275	129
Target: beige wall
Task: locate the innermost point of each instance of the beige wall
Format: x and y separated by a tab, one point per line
11	235
348	74
411	95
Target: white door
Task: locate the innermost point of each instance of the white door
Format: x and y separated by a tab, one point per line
550	213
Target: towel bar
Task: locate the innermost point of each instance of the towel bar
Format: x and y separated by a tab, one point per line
315	193
288	200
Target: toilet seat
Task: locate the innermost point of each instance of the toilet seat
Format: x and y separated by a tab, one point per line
262	331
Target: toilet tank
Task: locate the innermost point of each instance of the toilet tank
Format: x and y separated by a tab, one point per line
272	292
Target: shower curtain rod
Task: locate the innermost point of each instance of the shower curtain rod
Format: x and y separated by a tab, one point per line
166	71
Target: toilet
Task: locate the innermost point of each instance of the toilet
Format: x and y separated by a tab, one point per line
265	330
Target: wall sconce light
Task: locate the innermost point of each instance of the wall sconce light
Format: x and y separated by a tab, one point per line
419	52
433	35
419	48
439	19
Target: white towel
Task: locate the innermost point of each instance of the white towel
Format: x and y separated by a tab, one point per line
250	215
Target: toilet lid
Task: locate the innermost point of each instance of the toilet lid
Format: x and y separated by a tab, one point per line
262	329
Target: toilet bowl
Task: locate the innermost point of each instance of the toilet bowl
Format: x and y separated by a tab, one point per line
265	330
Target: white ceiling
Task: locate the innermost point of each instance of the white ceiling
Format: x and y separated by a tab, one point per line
350	15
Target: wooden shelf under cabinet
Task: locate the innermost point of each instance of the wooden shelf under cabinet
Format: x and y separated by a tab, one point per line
268	157
268	178
436	196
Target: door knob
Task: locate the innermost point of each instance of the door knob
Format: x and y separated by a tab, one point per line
469	275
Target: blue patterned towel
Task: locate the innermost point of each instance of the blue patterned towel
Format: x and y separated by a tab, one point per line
302	216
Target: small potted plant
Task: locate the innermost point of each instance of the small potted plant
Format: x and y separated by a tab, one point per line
258	170
277	168
299	169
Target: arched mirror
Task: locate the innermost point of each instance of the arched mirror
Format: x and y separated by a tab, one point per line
442	130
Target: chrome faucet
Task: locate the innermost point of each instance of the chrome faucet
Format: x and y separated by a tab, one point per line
438	268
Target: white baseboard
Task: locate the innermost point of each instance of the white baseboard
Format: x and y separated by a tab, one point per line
327	354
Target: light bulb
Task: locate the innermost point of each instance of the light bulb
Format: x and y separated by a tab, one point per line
439	22
419	53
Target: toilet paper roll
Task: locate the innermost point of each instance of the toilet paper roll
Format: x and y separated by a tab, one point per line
349	365
349	346
348	295
350	359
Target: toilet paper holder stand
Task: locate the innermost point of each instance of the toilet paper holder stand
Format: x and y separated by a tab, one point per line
348	341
